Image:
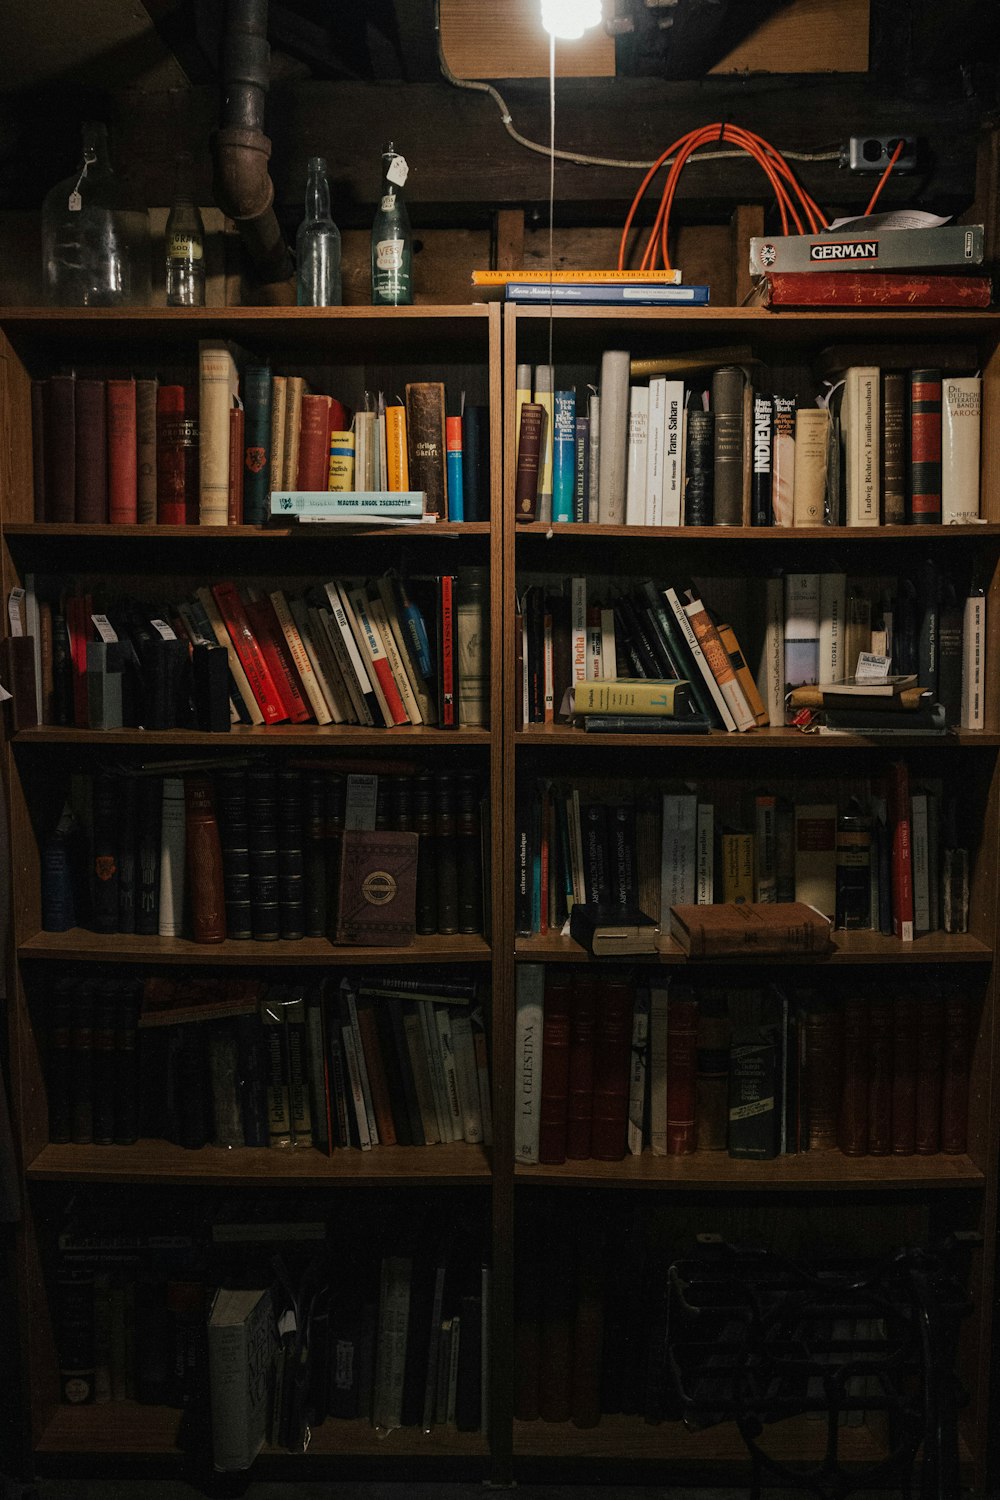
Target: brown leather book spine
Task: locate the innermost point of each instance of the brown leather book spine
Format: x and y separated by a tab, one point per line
123	492
588	1340
955	1082
39	422
377	1081
145	426
879	1077
727	404
925	447
529	447
314	443
236	429
904	1075
60	450
853	1130
91	452
821	1040
581	1070
893	449
612	1056
555	1072
425	440
682	1067
204	861
171	503
930	1073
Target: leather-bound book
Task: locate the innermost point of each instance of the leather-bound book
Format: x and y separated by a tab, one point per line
423	826
105	866
81	1041
893	449
468	844
852	1134
400	803
930	1073
376	890
728	387
145	450
425	442
904	1075
579	1107
555	1069
476	462
39	421
262	838
711	1113
314	444
447	651
123	489
314	855
236	446
176	458
148	814
682	1067
206	883
955	1075
820	1032
529	447
588	1338
880	1065
257	444
291	863
445	852
925	448
91	452
60	450
127	1062
104	1064
612	1055
59	1070
699	464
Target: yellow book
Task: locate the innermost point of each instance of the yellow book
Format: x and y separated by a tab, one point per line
397	461
341	461
737	867
279	404
631	696
622	278
296	389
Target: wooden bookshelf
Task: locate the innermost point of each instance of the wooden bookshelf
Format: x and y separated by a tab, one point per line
80	944
848	948
813	1171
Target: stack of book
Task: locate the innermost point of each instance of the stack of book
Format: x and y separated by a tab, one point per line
589	288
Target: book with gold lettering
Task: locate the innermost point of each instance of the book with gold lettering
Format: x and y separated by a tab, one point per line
376	888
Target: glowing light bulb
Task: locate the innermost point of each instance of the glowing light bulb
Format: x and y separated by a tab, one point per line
569	19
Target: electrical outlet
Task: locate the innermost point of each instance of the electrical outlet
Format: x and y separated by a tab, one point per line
871	153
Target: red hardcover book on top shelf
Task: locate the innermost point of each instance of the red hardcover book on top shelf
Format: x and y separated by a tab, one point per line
612	1055
247	647
123	470
555	1071
682	1051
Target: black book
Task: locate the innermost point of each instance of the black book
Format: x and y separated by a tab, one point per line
418	1338
81	1043
210	687
334	809
754	1078
128	868
291	861
59	1071
928	609
468	1398
534	661
445	852
523	854
128	997
596	853
627	654
74	1329
262	832
621	838
684	668
190	1086
393	1009
760	477
234	837
149	808
104	868
468	845
641	652
391	1065
699	467
62	671
314	855
154	1344
424	827
949	691
906	630
400	803
104	1062
476	462
253	1090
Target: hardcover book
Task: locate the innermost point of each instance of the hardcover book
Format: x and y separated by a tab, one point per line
376	890
731	930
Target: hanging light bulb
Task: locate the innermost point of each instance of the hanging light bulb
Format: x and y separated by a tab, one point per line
569	19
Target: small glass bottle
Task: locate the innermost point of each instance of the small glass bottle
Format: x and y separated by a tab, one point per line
95	244
184	244
317	246
392	240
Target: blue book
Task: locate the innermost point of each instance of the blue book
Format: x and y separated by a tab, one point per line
257	443
563	455
597	294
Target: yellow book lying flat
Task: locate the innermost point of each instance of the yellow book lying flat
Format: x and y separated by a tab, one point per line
634	696
631	278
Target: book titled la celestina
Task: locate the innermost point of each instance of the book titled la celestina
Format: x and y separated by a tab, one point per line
377	890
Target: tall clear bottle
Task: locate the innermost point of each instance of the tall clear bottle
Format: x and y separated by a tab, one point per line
317	246
184	243
392	239
95	242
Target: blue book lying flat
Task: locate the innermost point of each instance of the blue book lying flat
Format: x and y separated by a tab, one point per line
601	293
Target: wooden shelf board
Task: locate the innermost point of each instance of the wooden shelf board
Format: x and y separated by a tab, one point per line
849	948
49	530
580	531
120	948
126	1428
828	1171
278	735
451	1164
196	322
536	735
801	325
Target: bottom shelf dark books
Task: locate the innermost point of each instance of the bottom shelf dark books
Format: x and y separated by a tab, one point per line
610	1067
375	1059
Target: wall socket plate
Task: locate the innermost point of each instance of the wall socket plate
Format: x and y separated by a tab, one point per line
871	153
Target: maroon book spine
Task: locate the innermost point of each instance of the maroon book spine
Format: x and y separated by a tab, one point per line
612	1056
555	1072
581	1070
904	1075
880	1077
60	450
123	469
91	452
236	429
170	470
930	1073
925	447
955	1080
204	861
682	1072
447	650
39	422
875	289
852	1133
529	445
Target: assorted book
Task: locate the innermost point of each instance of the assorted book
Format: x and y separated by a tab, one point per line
884	434
129	450
357	1061
759	1071
259	1326
263	852
379	652
879	852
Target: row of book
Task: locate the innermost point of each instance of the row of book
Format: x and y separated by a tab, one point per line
354	1062
256	852
758	1071
377	652
708	441
137	451
869	852
397	1336
632	655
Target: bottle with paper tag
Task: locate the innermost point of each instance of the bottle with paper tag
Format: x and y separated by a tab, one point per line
95	240
392	240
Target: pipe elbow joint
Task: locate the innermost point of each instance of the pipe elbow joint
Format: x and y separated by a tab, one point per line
241	181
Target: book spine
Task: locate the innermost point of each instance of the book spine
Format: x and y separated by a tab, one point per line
529	443
614	408
961	412
783	461
262	685
852	1133
682	1030
579	1107
171	465
925	447
234	512
760	492
205	878
122	453
172	858
893	448
257	443
728	385
610	1095
563	454
216	384
145	419
898	787
528	1055
955	1075
972	709
91	458
930	1073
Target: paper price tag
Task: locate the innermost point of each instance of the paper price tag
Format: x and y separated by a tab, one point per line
872	668
398	171
4	695
163	630
14	604
105	629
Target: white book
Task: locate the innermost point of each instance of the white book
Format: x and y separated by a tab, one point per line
765	866
673	453
609	651
390	1346
353	1065
578	629
656	433
614	437
449	1069
544	387
961	411
218	386
347	991
530	983
704	875
638	442
242	1340
678	853
859	425
298	650
207	600
973	662
365	651
637	1071
435	1067
833	666
801	629
593	478
467	1078
481	1049
694	646
919	835
771	669
172	858
657	1065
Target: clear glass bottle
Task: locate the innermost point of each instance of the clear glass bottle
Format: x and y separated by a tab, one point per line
392	239
184	243
95	244
317	245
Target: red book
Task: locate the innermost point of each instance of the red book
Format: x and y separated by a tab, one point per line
904	1075
852	1131
555	1072
314	443
171	470
271	638
80	629
898	803
880	1076
123	474
247	648
925	447
955	1080
340	421
873	289
930	1073
447	652
39	423
204	861
235	513
91	452
60	450
682	1052
612	1056
579	1104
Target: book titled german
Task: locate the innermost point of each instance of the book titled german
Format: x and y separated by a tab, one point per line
733	929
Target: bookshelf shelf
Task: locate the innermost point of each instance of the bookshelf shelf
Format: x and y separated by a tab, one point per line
81	945
313	736
849	948
775	535
821	1171
534	736
50	531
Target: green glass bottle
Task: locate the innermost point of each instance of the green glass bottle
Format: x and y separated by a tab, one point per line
392	240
